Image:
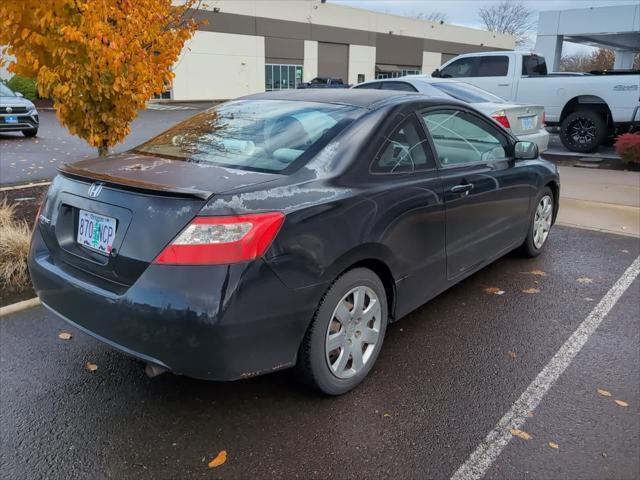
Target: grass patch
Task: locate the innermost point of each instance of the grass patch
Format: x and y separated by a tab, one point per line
15	236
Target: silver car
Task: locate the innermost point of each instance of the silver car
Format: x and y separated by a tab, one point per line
525	121
17	114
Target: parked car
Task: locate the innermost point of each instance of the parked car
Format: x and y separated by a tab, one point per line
286	229
17	114
324	82
525	121
589	109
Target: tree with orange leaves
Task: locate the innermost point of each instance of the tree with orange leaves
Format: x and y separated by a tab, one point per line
99	60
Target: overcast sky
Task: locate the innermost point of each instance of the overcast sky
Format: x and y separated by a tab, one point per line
465	12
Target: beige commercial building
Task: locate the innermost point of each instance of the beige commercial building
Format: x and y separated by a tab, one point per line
249	46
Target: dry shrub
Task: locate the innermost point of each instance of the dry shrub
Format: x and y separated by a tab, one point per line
15	236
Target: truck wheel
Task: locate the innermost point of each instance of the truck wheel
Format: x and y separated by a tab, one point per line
583	131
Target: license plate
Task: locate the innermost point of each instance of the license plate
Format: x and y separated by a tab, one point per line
11	119
96	232
528	122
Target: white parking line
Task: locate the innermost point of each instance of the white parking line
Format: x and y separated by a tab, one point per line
483	457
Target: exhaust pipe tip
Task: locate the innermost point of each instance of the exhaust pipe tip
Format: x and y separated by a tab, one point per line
152	370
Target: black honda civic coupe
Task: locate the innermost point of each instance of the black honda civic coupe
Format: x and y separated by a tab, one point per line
286	229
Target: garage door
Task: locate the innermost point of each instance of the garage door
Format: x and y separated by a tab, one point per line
333	60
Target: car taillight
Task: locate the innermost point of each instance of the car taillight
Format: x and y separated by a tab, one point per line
501	118
544	119
215	240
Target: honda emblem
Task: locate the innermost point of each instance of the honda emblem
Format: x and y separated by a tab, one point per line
95	189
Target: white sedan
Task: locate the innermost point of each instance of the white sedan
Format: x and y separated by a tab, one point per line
525	121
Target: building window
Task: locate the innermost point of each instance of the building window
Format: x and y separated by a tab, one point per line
282	77
397	74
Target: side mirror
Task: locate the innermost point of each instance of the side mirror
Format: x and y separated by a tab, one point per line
436	73
525	151
18	94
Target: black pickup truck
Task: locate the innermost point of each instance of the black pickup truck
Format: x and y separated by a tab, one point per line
324	82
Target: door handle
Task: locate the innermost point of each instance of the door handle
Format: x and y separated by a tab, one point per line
464	188
504	84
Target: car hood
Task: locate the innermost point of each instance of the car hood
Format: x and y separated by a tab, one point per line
148	172
16	102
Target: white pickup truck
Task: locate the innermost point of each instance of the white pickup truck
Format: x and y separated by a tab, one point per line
589	109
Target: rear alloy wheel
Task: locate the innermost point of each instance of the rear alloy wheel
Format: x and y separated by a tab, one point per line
583	131
540	224
346	335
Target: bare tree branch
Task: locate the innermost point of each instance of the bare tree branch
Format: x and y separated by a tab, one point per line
512	17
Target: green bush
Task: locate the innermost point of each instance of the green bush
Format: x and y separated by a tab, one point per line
25	86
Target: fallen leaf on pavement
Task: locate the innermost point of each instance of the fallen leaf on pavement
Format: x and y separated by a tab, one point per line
493	291
622	403
520	434
386	415
624	251
65	336
554	445
92	367
584	280
219	460
604	393
531	290
512	354
537	273
588	299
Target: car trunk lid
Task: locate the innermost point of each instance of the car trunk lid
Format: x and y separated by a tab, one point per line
147	200
523	119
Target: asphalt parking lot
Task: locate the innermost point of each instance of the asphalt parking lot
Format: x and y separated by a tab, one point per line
30	159
446	376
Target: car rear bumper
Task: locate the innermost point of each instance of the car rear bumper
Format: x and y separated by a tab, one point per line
221	322
541	138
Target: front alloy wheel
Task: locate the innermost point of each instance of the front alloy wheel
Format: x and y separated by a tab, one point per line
540	224
542	221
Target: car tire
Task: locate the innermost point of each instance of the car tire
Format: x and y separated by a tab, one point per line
30	133
583	131
336	371
540	224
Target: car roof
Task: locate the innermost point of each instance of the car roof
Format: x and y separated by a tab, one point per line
364	98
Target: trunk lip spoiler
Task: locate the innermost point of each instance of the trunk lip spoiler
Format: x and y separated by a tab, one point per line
109	180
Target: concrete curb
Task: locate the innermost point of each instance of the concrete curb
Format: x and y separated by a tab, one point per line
24	185
18	307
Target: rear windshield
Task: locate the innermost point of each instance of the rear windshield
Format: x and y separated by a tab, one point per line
260	135
466	92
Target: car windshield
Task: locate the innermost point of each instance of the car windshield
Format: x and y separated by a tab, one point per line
466	92
260	135
5	91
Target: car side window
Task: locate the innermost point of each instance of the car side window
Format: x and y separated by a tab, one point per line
400	86
460	68
369	86
406	150
533	66
493	66
461	138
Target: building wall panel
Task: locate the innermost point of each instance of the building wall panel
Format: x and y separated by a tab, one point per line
219	66
333	60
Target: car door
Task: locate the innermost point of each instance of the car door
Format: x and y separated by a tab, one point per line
406	195
486	193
